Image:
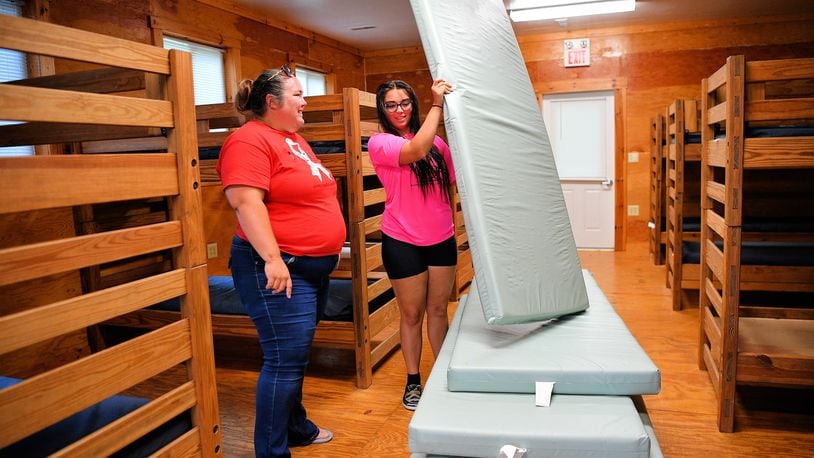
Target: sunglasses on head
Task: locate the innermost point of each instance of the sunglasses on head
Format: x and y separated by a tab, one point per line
284	70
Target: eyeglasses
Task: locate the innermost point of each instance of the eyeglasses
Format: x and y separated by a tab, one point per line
393	106
284	70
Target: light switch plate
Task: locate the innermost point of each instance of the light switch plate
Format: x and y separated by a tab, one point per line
211	250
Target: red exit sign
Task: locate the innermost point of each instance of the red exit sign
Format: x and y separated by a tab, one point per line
577	53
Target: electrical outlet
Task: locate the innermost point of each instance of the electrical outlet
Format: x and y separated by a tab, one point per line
211	250
633	157
632	210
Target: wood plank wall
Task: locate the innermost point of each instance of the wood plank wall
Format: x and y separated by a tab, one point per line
653	64
261	44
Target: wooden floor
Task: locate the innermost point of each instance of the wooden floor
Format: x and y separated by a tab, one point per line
372	422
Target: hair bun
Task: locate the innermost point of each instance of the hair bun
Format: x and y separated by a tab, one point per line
244	92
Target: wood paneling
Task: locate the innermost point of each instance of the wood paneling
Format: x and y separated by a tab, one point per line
263	42
219	227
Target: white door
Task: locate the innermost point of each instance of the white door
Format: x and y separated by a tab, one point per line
580	128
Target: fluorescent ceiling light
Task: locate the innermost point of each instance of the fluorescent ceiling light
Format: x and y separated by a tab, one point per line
530	10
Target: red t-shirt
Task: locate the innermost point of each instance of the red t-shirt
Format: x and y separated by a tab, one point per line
300	192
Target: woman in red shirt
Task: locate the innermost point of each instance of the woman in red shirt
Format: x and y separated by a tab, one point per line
289	234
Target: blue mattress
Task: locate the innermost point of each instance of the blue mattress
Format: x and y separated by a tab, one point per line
691	224
759	253
328	147
592	352
223	299
757	224
689	138
780	131
520	237
79	425
211	152
803	130
324	147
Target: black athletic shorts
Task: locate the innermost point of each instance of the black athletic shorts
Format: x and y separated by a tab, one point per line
402	259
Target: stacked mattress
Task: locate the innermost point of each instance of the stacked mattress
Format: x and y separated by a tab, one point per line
480	395
532	314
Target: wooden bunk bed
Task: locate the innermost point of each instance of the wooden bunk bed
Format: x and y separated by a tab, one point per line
656	224
770	343
683	210
41	190
337	127
350	118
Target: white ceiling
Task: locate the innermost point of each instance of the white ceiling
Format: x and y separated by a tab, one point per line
395	26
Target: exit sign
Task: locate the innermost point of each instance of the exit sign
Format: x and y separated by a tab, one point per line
576	53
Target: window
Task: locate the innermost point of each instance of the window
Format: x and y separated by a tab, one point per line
207	69
13	67
313	82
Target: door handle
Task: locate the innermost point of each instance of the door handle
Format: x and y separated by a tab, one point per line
607	183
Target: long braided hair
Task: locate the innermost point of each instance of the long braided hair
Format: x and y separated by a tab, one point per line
431	170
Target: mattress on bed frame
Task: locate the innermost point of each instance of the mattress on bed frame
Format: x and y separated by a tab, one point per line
59	435
760	132
322	147
592	352
802	130
692	138
759	253
467	424
224	300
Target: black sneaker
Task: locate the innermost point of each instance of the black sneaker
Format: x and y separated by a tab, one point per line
412	393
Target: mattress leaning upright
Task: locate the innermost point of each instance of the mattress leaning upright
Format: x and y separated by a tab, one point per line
523	249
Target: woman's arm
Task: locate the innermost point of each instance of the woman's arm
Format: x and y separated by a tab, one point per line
252	214
419	146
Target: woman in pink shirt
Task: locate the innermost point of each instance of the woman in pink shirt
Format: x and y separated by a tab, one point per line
418	235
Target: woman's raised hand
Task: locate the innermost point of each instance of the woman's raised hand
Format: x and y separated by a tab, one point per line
439	88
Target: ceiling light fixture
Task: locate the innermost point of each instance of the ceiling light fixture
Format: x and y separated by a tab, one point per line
531	10
362	27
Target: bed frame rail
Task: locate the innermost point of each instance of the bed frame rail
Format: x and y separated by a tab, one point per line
40	185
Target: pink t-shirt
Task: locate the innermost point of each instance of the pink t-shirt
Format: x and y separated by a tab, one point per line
409	216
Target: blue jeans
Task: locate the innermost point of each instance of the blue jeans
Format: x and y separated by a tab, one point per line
286	328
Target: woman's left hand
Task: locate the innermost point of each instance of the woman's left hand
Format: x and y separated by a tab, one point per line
279	279
439	88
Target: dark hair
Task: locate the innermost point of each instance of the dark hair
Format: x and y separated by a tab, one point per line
251	95
432	168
